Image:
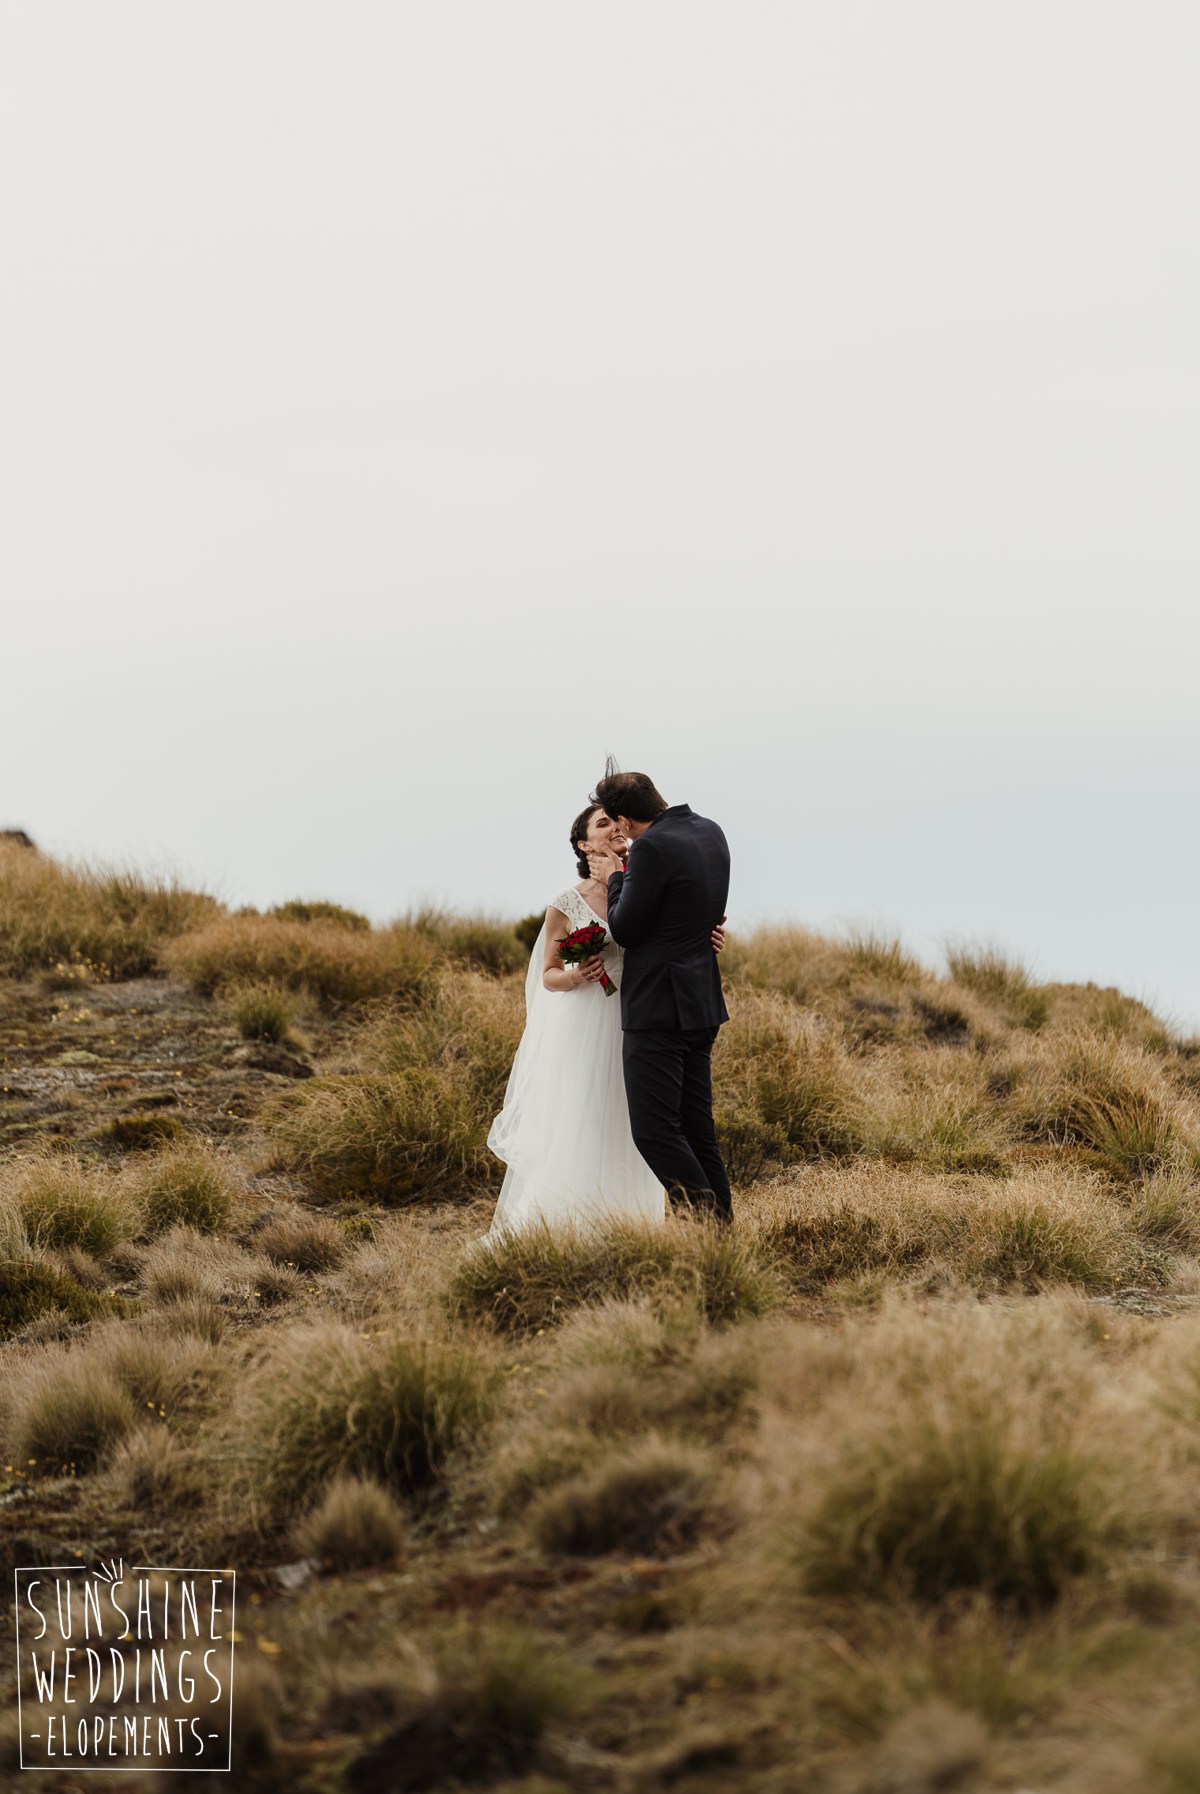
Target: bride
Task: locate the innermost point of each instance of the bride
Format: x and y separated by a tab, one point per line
564	1131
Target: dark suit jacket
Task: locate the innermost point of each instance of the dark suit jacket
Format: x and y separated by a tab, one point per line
662	909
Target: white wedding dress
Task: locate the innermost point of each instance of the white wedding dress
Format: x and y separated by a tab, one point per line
564	1132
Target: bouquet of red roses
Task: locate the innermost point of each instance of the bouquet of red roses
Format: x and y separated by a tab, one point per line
581	944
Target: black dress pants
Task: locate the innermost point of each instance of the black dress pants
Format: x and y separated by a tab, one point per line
668	1082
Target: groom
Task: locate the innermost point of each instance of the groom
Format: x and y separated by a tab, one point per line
662	909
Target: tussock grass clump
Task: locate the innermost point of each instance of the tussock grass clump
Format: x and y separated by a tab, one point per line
67	1413
193	1315
883	956
536	1276
1002	982
185	1265
750	1147
482	941
392	1409
867	987
972	1449
150	1469
1111	1098
777	1064
74	1262
59	1199
1165	1210
33	1287
936	1111
159	1369
112	920
384	1138
275	1283
1102	1009
943	1130
298	1237
1134	1132
412	1121
1039	1232
337	964
71	1404
793	962
817	1244
478	1716
624	1370
321	910
261	1009
527	930
966	1504
353	1526
140	1132
1024	1232
649	1500
469	1031
625	1365
193	1184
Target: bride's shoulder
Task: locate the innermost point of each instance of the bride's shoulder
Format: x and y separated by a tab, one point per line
567	902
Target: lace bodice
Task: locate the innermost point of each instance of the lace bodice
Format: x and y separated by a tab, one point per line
579	915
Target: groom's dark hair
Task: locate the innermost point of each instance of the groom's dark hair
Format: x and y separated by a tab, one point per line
632	794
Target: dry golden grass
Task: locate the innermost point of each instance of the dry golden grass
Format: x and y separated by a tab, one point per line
1002	982
151	1471
329	1400
893	1487
532	1278
870	1223
966	1447
67	1412
652	1499
300	910
408	1120
334	963
194	1184
781	1067
186	1265
487	942
307	1241
1114	1099
60	1199
81	921
475	1711
354	1524
413	1135
470	1029
68	1404
618	1370
37	1294
261	1009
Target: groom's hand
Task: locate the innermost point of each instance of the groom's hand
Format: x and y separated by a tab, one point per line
603	862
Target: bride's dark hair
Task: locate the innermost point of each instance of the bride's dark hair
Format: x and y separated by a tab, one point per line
579	829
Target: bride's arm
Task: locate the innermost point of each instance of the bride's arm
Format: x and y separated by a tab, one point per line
555	975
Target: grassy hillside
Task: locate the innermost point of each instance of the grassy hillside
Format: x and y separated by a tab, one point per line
894	1488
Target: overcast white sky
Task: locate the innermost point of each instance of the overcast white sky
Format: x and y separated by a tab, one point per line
403	405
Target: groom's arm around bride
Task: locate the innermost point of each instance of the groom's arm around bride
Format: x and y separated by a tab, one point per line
662	910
